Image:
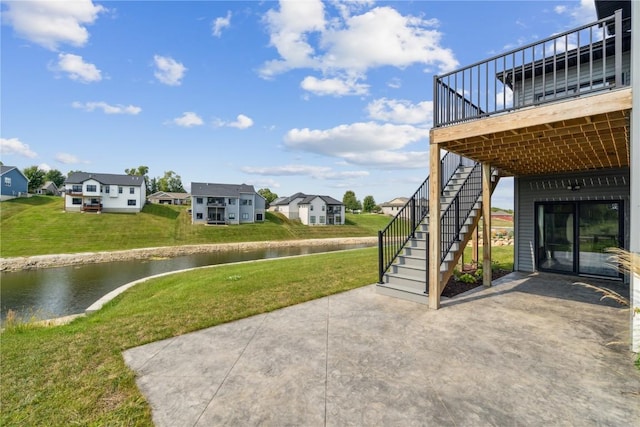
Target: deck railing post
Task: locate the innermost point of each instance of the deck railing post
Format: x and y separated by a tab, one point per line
380	257
618	47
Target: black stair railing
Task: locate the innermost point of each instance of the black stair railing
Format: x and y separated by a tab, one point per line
456	214
403	226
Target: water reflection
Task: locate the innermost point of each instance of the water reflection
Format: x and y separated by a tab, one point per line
55	292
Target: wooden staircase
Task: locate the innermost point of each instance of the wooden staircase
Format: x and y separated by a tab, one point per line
407	277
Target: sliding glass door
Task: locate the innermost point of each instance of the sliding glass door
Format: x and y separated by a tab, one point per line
572	237
599	229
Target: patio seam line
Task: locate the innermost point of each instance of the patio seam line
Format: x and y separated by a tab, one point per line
326	361
264	318
170	341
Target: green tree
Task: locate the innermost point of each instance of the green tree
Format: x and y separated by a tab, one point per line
35	176
350	201
55	176
369	204
268	195
153	185
170	182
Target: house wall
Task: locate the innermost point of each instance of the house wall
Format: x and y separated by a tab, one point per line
338	210
303	214
260	207
247	208
112	201
18	185
601	185
527	96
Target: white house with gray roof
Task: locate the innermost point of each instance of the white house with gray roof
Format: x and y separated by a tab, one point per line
312	209
225	204
104	192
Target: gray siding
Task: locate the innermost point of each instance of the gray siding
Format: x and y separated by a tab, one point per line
601	185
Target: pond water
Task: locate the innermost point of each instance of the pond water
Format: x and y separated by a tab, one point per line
55	292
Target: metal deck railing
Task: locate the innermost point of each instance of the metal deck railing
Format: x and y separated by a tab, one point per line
585	59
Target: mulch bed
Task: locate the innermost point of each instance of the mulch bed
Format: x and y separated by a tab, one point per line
455	287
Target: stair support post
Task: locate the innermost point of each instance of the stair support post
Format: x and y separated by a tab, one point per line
486	224
433	257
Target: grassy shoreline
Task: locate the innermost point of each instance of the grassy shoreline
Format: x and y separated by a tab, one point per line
39	226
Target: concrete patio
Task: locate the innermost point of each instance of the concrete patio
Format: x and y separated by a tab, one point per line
532	350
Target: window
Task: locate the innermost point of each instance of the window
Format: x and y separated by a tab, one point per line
91	188
321	219
311	208
338	219
246	202
245	215
76	201
132	190
312	220
232	201
199	200
199	215
119	190
323	208
232	215
77	188
107	188
7	181
131	202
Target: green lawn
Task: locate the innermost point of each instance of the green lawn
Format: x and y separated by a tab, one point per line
39	225
75	374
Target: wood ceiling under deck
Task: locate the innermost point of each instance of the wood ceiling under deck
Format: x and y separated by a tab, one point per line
585	133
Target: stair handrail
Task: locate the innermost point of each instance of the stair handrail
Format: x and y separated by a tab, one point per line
401	228
403	225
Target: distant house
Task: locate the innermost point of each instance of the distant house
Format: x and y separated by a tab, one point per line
225	204
167	198
104	192
288	206
14	183
49	188
311	209
393	206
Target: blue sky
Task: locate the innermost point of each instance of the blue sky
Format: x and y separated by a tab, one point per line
310	96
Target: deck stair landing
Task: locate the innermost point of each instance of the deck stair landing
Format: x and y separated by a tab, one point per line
407	276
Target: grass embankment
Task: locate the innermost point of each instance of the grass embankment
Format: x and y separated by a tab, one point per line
39	226
75	374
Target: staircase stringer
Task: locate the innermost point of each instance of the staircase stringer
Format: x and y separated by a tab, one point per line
446	274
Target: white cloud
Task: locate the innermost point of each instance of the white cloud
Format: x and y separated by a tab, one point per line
333	86
367	143
107	108
77	69
51	23
242	122
352	44
188	119
15	146
317	172
68	159
584	13
45	167
504	98
168	70
401	111
220	23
